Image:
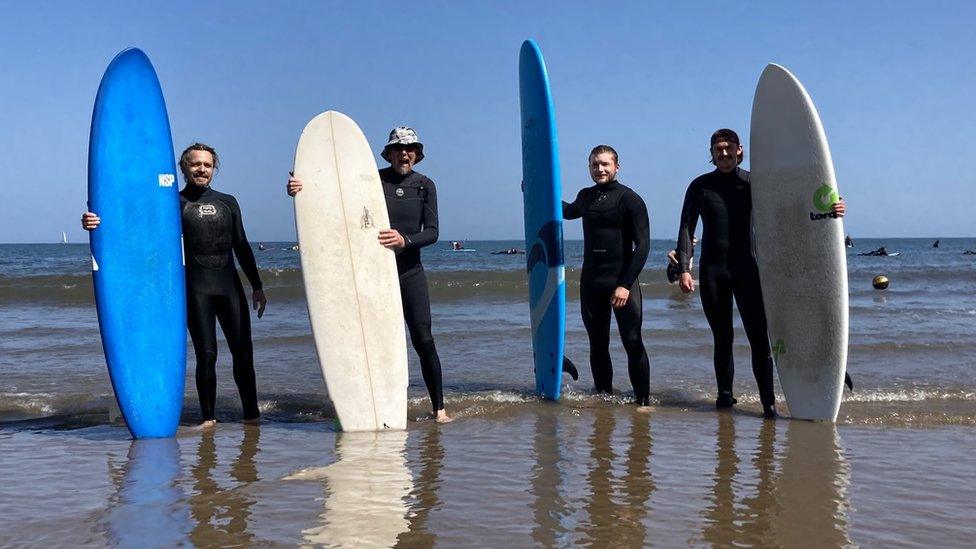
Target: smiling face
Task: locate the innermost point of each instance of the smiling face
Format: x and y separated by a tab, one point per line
725	155
198	169
603	167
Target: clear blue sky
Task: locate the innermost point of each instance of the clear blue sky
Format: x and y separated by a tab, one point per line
894	83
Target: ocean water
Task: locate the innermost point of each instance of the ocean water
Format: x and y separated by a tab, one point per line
511	469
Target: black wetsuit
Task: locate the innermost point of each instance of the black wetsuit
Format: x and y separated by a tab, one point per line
411	201
616	241
212	234
727	268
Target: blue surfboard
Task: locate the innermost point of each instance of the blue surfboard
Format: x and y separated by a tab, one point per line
542	200
137	256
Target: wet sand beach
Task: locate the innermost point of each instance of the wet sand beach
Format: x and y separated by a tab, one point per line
511	470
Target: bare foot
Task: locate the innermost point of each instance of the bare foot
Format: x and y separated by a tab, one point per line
442	417
209	424
645	409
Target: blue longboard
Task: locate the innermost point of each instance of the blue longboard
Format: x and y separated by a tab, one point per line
542	199
137	256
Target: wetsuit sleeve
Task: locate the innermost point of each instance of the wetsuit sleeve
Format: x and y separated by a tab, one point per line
428	220
635	219
573	210
242	249
686	228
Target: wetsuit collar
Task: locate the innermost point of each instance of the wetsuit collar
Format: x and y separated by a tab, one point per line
193	192
607	186
733	173
396	178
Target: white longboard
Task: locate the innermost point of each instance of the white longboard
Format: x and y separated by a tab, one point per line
812	489
351	282
366	492
799	245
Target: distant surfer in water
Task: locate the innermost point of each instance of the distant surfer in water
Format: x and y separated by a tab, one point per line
616	241
879	252
213	233
727	268
673	271
411	199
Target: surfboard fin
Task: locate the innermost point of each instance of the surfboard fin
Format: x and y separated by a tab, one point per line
570	368
848	382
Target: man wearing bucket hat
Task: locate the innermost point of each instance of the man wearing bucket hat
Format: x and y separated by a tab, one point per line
411	200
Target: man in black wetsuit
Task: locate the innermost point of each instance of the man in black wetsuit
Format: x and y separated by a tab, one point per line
616	241
411	200
213	232
723	200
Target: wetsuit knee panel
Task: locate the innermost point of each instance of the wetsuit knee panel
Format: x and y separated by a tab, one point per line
423	343
206	358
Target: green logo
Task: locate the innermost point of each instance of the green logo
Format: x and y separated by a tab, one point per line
779	349
825	197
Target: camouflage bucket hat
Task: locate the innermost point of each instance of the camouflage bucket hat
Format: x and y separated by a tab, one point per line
402	135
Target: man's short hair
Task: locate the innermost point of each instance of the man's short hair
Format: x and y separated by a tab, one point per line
600	149
725	134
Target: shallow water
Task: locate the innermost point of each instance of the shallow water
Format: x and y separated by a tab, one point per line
539	474
511	470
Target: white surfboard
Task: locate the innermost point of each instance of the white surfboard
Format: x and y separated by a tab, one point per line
351	282
800	246
366	492
812	489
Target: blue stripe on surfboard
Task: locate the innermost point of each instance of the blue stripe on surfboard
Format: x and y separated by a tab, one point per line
542	200
137	256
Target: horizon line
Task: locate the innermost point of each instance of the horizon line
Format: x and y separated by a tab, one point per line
448	240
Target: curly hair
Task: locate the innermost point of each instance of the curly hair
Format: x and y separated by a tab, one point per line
185	157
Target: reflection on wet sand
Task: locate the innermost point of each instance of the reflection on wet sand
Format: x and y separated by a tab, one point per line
365	491
616	509
727	520
222	515
425	492
549	507
804	503
813	488
638	484
600	520
762	508
148	507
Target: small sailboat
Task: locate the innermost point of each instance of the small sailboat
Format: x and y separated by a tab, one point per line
64	237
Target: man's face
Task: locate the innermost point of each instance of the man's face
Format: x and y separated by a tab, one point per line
402	158
725	155
603	168
199	169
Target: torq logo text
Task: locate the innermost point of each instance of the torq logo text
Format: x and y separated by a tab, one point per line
823	200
